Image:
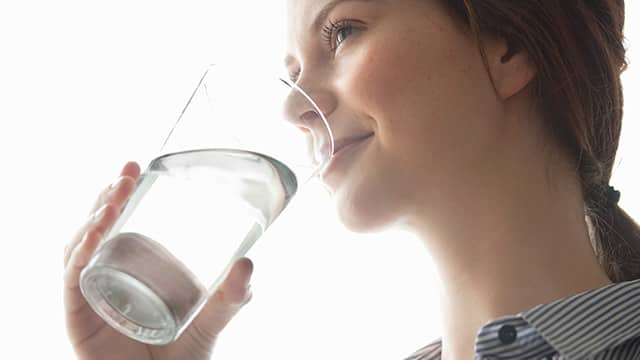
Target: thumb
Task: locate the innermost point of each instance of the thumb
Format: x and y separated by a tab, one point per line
235	290
228	299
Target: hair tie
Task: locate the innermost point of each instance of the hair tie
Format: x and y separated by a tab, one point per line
613	196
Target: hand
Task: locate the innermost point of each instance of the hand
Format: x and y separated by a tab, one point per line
94	339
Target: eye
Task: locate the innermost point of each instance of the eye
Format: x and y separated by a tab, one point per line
336	33
342	33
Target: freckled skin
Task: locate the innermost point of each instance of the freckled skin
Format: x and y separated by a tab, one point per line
412	77
456	160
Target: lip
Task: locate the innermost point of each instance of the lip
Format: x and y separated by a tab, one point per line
342	143
342	147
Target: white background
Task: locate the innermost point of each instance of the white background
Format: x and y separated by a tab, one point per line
86	86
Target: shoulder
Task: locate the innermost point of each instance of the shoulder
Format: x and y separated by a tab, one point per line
429	352
629	349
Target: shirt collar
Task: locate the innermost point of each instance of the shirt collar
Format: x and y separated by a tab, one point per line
575	326
589	322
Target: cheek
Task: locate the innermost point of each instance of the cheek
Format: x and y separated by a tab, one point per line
367	79
397	81
392	83
431	101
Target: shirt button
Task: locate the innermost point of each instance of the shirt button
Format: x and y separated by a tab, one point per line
507	334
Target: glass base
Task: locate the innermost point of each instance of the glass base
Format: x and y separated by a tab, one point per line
128	305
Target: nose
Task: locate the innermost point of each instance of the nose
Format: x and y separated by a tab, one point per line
301	112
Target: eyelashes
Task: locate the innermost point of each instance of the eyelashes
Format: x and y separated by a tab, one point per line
335	33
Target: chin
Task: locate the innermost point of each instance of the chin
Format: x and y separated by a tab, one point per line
364	215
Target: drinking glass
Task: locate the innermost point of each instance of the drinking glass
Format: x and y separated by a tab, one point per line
241	147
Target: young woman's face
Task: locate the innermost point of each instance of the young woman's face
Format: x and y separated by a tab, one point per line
404	72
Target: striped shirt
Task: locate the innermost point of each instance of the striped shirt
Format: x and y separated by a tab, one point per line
601	323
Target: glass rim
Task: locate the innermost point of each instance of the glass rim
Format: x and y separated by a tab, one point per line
287	82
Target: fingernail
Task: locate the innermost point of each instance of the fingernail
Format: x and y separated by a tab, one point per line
248	295
96	216
84	238
116	183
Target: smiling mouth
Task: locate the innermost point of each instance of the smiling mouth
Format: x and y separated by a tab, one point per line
340	144
344	143
343	147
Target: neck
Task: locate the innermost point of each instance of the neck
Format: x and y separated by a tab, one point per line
505	243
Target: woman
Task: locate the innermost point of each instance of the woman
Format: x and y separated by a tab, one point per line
487	127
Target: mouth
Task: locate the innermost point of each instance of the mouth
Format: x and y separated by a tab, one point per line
342	148
340	144
343	143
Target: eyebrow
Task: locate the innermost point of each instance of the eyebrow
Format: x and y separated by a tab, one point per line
322	17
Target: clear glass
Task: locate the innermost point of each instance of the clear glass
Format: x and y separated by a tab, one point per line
236	157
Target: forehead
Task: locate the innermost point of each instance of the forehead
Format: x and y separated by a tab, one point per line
301	15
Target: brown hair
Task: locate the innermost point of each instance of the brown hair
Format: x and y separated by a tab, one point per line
578	51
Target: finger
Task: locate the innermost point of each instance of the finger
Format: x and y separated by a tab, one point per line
116	195
119	192
100	222
82	231
78	260
227	300
129	173
234	289
131	169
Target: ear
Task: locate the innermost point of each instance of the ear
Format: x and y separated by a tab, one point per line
510	67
